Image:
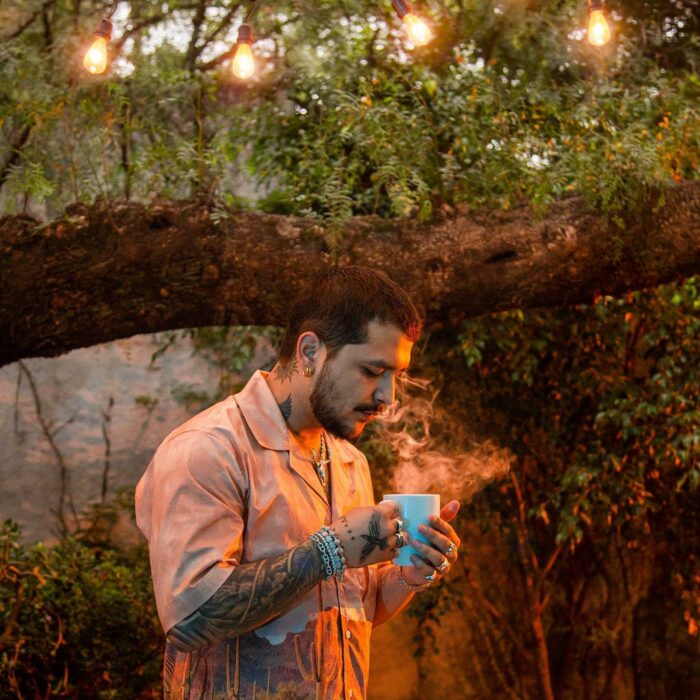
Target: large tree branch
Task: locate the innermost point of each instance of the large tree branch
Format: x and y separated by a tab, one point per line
120	268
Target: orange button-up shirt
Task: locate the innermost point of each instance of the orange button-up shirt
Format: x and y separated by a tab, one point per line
229	487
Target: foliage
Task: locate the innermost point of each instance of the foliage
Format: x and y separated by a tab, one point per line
78	618
230	350
618	390
600	403
507	105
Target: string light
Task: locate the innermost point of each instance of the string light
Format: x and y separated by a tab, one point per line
598	28
243	64
418	31
95	60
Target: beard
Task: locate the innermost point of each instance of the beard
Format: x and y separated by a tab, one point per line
324	399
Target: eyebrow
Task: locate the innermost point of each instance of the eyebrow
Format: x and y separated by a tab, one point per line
382	365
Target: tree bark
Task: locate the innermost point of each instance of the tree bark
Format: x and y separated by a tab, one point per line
116	268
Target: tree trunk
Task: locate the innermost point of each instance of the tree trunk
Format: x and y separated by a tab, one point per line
116	268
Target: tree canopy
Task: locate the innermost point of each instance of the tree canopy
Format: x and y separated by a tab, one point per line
508	105
508	109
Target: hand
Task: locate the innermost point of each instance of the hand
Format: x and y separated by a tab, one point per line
433	556
368	534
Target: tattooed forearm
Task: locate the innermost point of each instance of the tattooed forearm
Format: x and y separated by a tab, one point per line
253	594
284	371
286	407
373	540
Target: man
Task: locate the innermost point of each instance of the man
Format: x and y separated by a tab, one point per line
256	596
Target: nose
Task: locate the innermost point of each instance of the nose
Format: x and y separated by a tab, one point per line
385	393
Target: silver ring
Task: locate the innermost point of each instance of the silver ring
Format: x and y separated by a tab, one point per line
451	549
401	541
431	577
399	525
444	566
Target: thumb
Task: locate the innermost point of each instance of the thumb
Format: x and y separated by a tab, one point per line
450	511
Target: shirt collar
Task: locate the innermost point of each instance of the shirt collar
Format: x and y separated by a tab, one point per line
262	414
265	420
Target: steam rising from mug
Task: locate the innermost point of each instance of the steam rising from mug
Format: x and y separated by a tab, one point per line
422	466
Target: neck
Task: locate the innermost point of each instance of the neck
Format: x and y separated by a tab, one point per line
290	390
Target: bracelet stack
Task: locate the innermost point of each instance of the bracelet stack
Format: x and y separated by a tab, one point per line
414	588
331	551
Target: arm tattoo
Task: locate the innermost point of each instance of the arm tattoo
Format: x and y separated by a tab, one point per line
253	595
285	371
286	407
373	538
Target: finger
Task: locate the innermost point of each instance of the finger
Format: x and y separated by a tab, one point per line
426	571
400	540
441	541
445	528
450	511
389	509
433	557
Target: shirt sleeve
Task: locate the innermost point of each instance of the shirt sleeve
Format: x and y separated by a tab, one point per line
190	505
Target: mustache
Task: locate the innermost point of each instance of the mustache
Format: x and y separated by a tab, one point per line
373	408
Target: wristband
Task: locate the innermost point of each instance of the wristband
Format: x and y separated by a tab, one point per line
331	551
324	555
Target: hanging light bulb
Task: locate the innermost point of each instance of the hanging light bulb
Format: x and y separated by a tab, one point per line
418	31
95	60
598	28
243	65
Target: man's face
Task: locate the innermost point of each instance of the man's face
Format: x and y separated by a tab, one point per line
360	380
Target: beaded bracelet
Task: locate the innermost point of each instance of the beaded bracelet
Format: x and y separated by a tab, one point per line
331	552
413	587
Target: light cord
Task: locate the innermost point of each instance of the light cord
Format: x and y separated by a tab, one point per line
250	12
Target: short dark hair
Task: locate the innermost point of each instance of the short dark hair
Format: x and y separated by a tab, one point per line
341	302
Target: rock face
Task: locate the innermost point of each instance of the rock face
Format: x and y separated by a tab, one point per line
77	427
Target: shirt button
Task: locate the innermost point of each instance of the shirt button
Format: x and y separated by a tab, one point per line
348	635
350	693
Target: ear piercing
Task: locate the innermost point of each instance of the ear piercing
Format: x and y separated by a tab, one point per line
308	371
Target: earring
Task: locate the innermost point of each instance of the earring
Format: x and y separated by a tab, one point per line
308	371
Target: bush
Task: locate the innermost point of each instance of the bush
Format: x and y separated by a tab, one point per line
78	620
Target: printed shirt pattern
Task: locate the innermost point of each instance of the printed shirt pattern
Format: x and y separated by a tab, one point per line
225	488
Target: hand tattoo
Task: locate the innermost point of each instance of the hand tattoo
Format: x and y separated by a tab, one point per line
286	407
253	595
285	371
344	520
373	538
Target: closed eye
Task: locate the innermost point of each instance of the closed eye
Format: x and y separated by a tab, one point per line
372	372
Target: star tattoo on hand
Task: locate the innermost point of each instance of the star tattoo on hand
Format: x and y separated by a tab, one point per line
373	538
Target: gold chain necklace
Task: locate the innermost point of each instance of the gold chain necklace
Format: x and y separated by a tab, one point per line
324	458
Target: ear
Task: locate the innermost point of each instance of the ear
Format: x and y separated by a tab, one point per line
308	346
